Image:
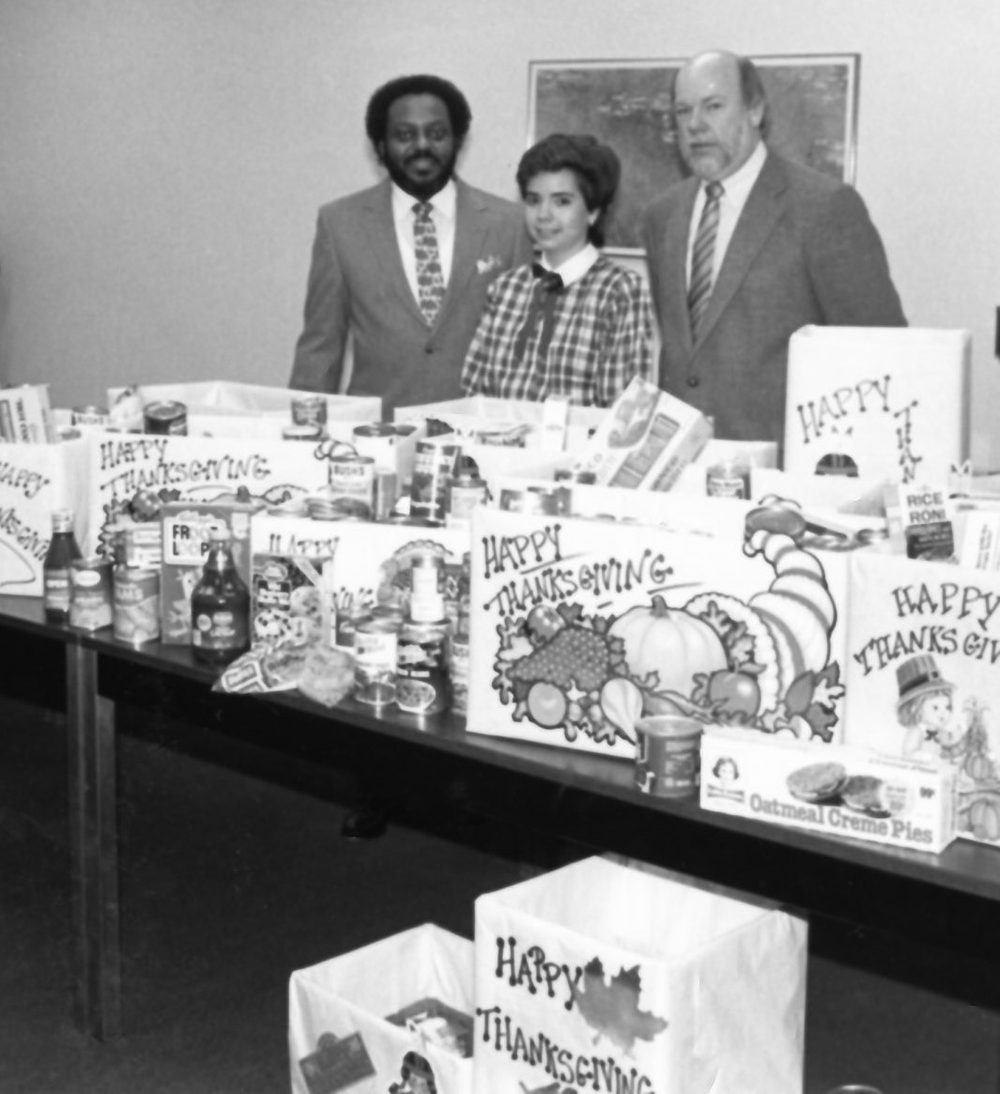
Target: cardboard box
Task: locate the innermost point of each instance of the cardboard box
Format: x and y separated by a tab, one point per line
836	790
187	527
892	402
645	440
577	625
26	416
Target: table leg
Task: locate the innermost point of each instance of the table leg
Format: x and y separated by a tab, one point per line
93	825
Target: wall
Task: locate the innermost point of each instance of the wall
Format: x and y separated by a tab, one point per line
162	162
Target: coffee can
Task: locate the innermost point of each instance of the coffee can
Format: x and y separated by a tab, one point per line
167	417
375	643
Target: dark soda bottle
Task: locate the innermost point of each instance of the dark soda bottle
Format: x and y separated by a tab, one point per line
220	606
56	587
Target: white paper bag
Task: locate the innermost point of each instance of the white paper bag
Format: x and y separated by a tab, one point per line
339	1033
36	479
892	402
607	977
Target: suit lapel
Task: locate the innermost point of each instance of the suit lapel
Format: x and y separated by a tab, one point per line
763	210
470	230
381	231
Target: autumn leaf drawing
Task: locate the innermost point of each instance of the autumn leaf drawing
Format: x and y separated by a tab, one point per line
612	1009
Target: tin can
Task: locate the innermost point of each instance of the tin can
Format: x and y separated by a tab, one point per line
535	501
91	598
668	757
350	616
378	440
353	477
433	467
306	431
386	494
422	685
136	605
465	494
728	479
375	643
89	415
584	478
458	672
165	417
309	410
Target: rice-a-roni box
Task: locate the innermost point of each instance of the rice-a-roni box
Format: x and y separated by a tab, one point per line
877	402
836	791
578	626
645	440
35	480
923	673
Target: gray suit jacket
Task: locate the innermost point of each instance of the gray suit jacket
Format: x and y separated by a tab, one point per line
804	251
357	285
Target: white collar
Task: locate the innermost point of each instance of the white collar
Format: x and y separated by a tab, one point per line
738	185
574	268
443	202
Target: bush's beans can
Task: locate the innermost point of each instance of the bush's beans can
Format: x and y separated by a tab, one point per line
309	410
422	685
136	606
165	417
352	477
89	415
375	661
91	599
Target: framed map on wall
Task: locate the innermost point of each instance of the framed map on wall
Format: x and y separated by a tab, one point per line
627	104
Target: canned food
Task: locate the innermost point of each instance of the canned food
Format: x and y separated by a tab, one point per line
353	477
467	492
386	494
668	760
378	440
165	417
350	616
89	415
304	432
309	410
728	479
458	673
91	599
422	685
375	661
534	500
136	606
433	467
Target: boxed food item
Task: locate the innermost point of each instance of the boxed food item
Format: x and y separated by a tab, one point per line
26	415
615	976
391	1016
645	440
577	627
187	528
837	791
877	402
35	480
923	674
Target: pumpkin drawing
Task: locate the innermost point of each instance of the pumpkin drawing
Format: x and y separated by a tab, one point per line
665	648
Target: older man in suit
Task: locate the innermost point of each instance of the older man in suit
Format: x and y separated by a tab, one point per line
749	250
403	267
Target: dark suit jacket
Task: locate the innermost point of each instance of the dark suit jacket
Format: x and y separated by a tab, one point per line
804	251
357	285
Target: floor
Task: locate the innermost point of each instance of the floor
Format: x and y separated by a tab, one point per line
230	881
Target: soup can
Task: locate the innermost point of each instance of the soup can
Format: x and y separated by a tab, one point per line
91	599
375	661
728	479
89	415
378	440
165	417
668	757
352	477
422	684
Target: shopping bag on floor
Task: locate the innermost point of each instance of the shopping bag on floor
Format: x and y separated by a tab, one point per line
614	977
394	1017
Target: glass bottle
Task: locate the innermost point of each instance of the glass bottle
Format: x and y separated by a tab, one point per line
56	586
220	606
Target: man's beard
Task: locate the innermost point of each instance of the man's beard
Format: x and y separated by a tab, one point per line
421	190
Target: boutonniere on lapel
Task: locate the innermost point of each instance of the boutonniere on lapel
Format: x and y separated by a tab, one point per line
488	265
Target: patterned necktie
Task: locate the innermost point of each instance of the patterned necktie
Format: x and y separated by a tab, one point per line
546	289
702	257
430	279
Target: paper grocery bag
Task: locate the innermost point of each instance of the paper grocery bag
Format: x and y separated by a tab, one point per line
612	977
877	402
394	1017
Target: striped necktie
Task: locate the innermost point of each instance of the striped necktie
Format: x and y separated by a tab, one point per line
702	257
430	279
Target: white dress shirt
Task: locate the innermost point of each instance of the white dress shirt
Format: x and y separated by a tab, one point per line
442	213
736	189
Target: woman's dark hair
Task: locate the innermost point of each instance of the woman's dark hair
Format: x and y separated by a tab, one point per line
377	114
595	165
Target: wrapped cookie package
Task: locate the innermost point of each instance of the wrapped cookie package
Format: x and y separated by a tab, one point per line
837	790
